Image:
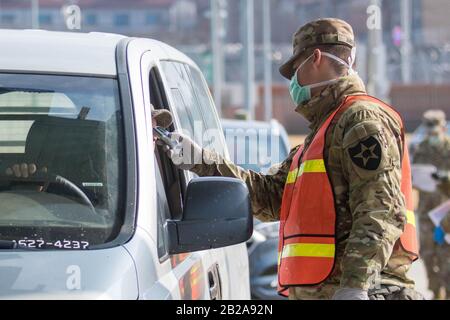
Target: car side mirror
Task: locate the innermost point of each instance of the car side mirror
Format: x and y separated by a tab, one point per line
217	213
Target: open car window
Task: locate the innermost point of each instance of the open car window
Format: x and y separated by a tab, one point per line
194	105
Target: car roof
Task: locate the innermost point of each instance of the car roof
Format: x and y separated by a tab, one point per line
59	52
91	53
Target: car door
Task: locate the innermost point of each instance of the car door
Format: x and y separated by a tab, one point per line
236	256
195	273
193	104
187	109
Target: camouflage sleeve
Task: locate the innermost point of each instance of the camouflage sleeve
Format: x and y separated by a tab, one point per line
371	160
266	191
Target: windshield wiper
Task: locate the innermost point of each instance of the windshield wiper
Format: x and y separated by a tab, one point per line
12	245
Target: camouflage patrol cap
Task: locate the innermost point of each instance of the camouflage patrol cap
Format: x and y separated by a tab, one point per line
434	118
162	117
318	32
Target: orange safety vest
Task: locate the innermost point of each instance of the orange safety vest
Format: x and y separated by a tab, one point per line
308	216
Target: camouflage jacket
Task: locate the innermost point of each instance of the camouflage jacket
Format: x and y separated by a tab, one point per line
370	209
445	189
438	156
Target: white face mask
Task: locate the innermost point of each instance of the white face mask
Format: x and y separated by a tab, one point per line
350	63
301	94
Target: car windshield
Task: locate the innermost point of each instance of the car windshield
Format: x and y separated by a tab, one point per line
60	159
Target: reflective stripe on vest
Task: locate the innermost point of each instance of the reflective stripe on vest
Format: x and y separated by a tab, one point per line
306	167
308	250
410	218
307	217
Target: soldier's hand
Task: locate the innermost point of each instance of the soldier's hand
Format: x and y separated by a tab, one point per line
186	153
350	294
23	170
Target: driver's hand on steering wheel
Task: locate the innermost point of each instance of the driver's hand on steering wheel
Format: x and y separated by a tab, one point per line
23	170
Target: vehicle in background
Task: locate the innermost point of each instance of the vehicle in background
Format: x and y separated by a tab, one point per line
256	145
268	144
103	213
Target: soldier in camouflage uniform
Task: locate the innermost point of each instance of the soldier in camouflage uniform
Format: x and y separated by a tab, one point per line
443	178
370	209
443	249
433	150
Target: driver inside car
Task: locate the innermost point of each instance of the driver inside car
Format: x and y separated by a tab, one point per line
160	118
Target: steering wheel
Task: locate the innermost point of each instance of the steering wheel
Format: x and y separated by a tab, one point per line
48	179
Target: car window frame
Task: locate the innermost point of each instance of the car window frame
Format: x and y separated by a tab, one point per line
126	207
162	162
199	105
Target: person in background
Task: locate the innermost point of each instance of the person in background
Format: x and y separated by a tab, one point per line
434	150
440	235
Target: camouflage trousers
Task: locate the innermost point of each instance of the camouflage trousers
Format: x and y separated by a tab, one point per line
390	292
436	259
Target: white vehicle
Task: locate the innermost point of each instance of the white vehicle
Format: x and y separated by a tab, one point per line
90	208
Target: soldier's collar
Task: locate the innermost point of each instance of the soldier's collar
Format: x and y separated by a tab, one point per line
316	109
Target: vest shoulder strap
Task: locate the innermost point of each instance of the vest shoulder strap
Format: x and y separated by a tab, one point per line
350	100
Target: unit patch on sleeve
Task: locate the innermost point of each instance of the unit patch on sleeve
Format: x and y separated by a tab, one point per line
367	154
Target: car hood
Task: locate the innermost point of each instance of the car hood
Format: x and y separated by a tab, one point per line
89	274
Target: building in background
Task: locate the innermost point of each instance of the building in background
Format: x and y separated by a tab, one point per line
165	19
185	24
